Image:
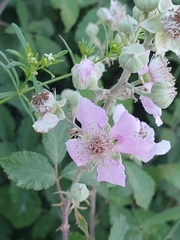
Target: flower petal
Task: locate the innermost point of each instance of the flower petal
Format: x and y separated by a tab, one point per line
112	172
164	5
118	111
163	147
47	122
151	108
143	149
127	125
90	116
77	151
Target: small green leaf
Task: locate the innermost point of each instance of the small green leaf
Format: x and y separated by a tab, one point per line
142	183
87	177
54	142
8	94
29	170
167	215
16	53
119	228
81	222
19	35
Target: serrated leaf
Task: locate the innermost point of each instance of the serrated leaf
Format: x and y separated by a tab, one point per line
142	184
167	215
24	211
29	170
81	222
54	142
171	173
87	177
119	228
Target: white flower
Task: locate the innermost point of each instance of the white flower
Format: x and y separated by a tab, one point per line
49	56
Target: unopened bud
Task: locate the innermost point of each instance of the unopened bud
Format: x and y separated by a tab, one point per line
146	5
133	57
92	29
72	97
162	94
86	74
79	192
103	14
128	25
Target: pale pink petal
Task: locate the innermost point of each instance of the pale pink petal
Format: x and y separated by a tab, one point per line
163	147
77	151
47	122
151	108
148	131
111	171
127	125
118	111
144	149
90	116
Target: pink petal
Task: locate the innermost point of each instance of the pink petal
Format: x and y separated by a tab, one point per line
127	125
77	151
90	116
47	122
118	111
163	147
144	149
111	171
151	108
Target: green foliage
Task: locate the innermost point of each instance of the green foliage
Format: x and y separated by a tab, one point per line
29	170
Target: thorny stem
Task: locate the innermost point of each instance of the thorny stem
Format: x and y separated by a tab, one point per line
136	90
116	89
58	187
92	213
65	208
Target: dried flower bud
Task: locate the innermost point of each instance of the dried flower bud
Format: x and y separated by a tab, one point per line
162	94
79	192
128	25
133	57
86	74
43	102
146	5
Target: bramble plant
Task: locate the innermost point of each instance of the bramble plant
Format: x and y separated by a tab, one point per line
89	134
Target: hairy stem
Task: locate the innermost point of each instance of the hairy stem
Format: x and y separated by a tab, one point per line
92	214
65	208
116	89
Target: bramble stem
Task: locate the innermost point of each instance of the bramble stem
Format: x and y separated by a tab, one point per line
92	214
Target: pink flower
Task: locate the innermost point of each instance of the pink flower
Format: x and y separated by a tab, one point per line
86	74
156	71
99	144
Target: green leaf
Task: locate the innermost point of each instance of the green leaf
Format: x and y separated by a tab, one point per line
171	173
67	10
7	124
22	212
142	183
29	170
19	35
5	229
22	13
7	94
16	64
46	45
87	177
41	27
81	222
119	228
6	149
16	53
167	215
54	142
76	236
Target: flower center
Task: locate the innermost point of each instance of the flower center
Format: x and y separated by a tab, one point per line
171	22
99	146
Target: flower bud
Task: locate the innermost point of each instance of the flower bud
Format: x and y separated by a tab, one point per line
146	5
86	74
162	94
128	25
133	57
79	192
103	14
138	15
43	102
92	29
72	96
